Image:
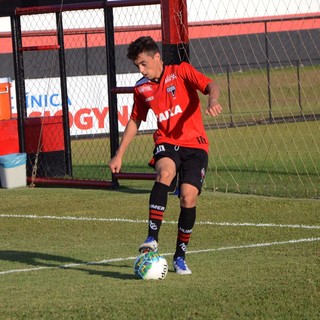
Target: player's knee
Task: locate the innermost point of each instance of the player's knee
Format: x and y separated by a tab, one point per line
165	177
188	200
188	196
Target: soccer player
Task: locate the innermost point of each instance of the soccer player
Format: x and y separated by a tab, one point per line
181	143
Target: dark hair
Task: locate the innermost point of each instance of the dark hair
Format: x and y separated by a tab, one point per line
143	44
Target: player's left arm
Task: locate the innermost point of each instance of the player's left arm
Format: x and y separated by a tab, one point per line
198	81
213	108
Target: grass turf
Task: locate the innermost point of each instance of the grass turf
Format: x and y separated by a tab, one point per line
240	271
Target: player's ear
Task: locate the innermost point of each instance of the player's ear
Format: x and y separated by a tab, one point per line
157	56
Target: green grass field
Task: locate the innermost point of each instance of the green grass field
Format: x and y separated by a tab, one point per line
249	100
68	254
273	160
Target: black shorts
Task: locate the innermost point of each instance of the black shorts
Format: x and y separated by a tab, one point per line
191	163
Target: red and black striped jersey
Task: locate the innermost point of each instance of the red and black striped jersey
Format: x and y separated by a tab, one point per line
176	105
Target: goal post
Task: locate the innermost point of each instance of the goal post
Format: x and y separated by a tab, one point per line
174	28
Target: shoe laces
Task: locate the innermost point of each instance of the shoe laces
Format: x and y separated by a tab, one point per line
181	264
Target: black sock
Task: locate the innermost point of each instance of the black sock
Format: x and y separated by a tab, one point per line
157	205
186	222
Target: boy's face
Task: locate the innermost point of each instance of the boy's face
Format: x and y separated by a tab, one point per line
150	66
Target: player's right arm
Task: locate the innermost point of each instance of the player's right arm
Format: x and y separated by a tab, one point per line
128	135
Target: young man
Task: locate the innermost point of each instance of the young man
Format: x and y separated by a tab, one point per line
181	143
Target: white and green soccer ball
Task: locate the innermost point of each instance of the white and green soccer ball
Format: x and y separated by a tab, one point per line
150	266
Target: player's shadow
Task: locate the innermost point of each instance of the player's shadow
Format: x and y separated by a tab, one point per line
106	273
38	259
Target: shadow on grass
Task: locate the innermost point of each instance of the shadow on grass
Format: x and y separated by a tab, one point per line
139	191
132	190
107	274
37	259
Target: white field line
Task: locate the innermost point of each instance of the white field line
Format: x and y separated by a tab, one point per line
246	246
228	224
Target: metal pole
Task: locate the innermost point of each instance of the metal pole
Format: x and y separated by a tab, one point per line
112	83
19	78
86	52
229	98
299	87
64	95
174	29
268	71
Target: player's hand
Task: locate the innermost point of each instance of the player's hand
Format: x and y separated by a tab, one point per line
115	164
213	110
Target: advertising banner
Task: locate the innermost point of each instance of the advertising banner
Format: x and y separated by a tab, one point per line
87	103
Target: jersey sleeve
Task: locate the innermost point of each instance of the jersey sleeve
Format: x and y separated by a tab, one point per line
195	78
140	109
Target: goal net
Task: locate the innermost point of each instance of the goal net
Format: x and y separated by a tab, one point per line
264	55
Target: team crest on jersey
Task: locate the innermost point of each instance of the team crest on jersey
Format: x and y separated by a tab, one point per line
172	90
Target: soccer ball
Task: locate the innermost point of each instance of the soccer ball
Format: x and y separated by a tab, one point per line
150	266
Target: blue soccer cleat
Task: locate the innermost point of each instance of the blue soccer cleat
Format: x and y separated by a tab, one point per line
150	245
180	266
